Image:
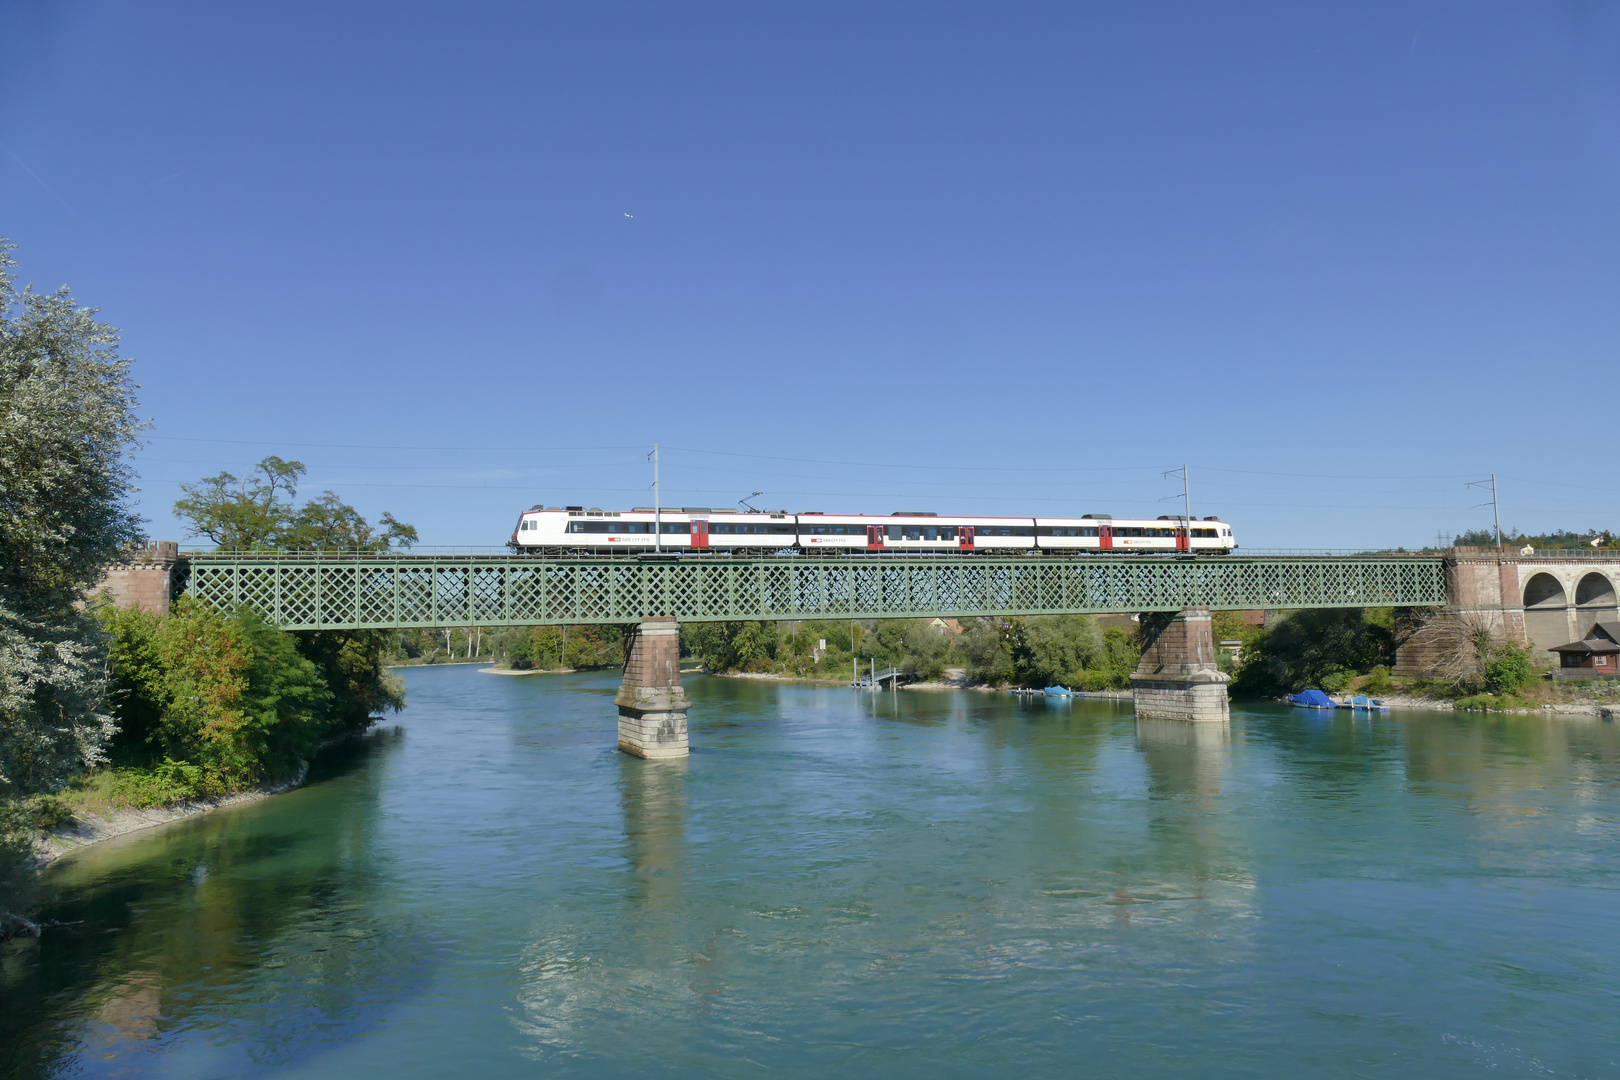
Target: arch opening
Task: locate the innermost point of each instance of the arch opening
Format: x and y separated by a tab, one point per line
1545	591
1595	590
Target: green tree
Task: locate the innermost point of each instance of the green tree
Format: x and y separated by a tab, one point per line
242	513
986	656
729	646
1317	648
227	692
67	424
256	512
1051	649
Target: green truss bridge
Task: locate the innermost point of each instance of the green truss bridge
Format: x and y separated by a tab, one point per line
335	591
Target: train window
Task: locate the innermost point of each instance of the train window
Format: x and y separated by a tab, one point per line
678	527
1205	534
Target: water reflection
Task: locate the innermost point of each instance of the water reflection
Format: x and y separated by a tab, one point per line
242	927
653	798
570	972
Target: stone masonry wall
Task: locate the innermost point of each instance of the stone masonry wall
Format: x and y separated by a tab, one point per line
145	578
1487	588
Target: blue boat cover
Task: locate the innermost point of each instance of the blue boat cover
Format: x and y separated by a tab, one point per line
1058	691
1314	698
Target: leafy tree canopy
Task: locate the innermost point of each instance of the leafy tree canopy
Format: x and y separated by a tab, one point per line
256	512
67	424
1323	648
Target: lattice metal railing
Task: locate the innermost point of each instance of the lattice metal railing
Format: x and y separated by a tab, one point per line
319	593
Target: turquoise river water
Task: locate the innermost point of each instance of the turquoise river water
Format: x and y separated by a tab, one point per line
895	885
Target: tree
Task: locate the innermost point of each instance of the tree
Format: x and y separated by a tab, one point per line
255	512
728	646
242	513
984	647
1322	648
1050	649
227	692
67	424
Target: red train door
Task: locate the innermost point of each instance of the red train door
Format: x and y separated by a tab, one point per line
1182	541
700	536
874	538
1105	538
966	534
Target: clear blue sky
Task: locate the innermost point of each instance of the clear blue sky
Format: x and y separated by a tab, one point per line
460	259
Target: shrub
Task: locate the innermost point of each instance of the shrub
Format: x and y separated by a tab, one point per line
1378	682
1508	667
228	693
1490	703
1336	681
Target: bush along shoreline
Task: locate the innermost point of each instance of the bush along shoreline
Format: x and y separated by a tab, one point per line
1037	651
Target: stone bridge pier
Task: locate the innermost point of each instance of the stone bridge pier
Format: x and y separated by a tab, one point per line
652	705
1177	678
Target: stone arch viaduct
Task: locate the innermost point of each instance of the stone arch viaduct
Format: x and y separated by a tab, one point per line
1545	598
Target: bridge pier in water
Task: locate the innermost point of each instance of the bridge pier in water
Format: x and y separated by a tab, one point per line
1177	678
652	704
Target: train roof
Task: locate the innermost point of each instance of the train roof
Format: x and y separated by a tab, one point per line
906	514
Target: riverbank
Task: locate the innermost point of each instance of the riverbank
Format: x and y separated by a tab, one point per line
89	826
93	828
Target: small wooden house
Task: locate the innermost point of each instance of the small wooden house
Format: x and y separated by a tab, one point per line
1597	656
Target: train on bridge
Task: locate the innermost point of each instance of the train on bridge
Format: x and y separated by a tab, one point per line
560	530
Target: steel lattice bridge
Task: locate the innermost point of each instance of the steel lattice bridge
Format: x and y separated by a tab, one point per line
380	591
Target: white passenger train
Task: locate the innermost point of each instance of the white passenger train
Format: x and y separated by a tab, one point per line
570	529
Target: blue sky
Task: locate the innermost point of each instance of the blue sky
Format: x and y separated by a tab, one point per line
461	259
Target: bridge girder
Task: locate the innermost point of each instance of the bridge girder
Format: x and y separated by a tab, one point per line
313	592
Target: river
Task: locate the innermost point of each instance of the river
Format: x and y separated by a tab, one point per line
913	884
